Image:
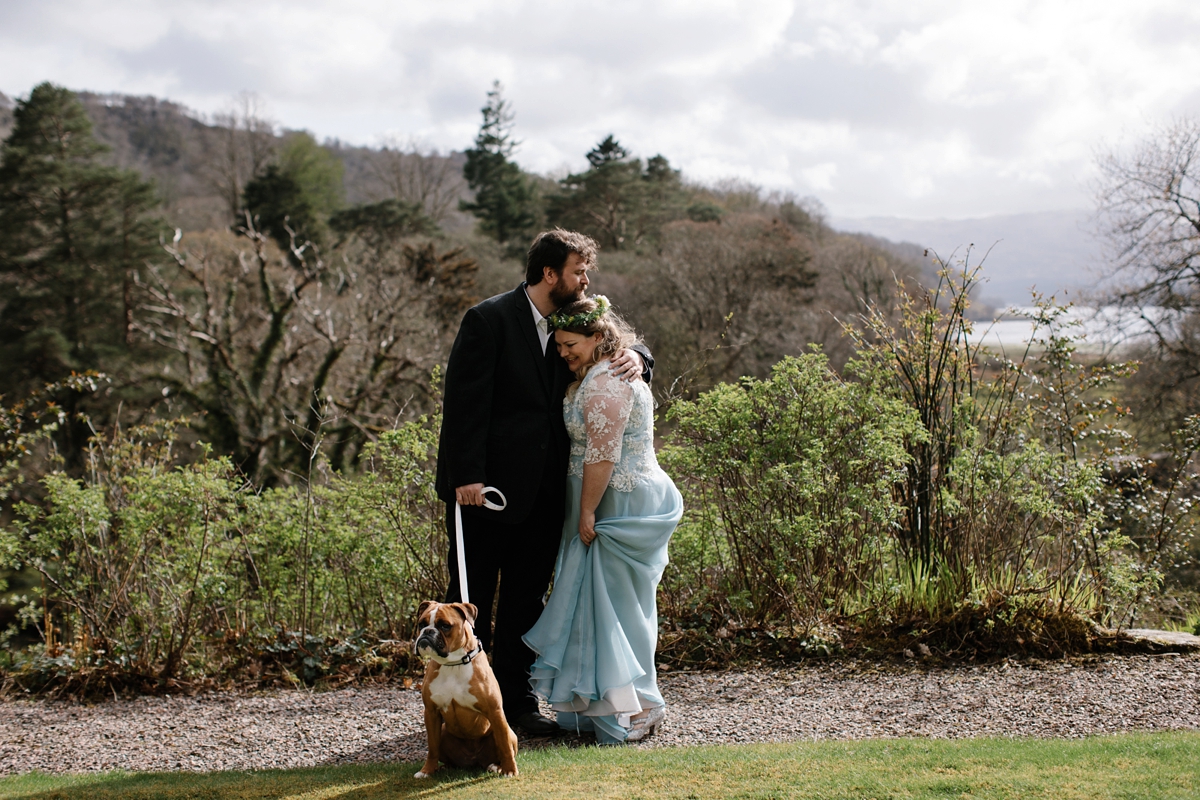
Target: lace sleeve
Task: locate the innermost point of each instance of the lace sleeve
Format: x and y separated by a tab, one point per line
607	401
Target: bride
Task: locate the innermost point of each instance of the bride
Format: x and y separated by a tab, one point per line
596	638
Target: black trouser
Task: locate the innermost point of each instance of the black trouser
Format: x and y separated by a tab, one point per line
521	559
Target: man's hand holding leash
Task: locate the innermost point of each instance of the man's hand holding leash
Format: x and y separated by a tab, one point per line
469	495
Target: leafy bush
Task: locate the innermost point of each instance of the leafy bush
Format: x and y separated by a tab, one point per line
30	422
1004	494
155	572
932	490
788	485
355	553
928	495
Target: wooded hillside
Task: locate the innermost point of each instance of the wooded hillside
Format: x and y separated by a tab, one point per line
722	280
220	350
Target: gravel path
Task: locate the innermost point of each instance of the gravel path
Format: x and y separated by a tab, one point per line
842	700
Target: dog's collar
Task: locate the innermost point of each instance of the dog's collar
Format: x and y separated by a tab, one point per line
466	659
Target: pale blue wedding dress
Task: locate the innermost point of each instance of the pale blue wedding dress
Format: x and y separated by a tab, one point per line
596	638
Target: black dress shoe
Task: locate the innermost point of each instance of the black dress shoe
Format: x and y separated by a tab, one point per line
534	724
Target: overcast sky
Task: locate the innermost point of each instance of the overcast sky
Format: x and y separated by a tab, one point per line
916	109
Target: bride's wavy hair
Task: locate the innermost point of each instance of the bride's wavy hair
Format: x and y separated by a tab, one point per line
616	333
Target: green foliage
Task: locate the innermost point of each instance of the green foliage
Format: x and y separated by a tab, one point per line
315	169
704	212
397	491
504	197
73	231
299	193
32	420
1004	491
788	487
131	559
282	209
618	201
1152	511
156	571
930	353
961	501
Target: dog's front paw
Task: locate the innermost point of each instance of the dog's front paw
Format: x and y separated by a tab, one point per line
421	774
505	772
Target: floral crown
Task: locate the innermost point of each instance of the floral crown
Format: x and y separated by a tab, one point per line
566	322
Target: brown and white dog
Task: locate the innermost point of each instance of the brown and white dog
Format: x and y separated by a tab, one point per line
464	714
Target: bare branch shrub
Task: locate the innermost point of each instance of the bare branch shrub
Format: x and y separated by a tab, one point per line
421	176
735	289
238	148
272	348
1149	210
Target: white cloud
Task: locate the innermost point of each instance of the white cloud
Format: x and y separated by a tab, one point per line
942	108
820	178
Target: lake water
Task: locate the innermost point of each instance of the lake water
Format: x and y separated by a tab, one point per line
1105	328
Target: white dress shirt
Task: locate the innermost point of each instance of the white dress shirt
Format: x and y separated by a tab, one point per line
541	323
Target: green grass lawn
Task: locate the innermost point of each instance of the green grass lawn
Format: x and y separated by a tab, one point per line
1128	766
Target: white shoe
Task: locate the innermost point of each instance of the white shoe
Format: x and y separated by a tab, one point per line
646	724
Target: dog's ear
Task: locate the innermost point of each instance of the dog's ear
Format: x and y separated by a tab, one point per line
468	610
425	606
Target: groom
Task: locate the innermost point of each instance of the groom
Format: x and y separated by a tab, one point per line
502	426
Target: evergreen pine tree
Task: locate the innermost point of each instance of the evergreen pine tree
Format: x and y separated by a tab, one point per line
504	197
607	152
73	230
276	202
616	201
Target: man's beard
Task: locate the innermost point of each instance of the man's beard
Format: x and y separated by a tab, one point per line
561	296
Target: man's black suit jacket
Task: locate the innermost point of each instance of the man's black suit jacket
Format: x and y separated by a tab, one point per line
502	413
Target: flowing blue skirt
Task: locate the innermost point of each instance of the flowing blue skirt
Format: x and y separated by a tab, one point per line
595	639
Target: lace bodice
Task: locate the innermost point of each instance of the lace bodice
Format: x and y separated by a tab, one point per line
611	420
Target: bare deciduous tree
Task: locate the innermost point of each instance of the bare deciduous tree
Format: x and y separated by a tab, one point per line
420	176
1149	203
286	354
736	289
243	144
1150	210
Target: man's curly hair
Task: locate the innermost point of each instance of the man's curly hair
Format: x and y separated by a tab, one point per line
551	249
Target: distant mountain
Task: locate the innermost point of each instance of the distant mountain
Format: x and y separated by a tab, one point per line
1052	251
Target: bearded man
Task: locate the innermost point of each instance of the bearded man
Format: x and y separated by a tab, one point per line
502	426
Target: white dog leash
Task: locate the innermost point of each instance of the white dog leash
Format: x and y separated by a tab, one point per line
458	537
